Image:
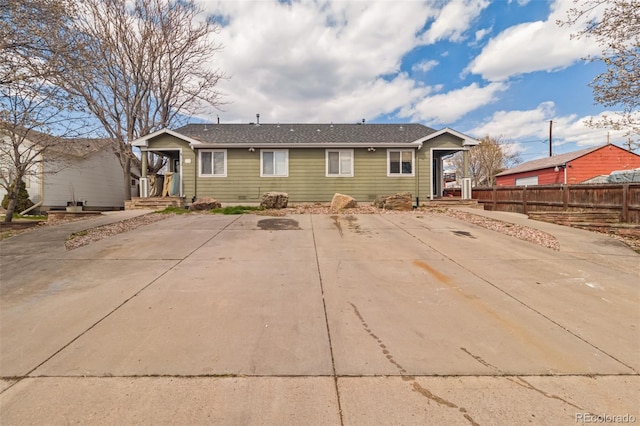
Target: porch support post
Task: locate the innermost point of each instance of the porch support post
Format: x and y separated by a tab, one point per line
466	180
144	181
145	163
465	163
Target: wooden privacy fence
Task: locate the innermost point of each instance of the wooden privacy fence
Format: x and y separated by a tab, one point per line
623	198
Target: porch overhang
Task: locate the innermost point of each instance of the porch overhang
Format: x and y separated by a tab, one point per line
143	142
467	141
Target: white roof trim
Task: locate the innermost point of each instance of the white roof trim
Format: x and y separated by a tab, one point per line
276	145
466	140
144	141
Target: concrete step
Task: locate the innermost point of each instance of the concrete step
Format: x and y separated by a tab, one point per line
153	203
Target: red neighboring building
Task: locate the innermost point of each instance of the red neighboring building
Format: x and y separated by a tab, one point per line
570	168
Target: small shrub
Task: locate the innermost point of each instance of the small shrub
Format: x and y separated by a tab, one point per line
23	198
173	210
236	209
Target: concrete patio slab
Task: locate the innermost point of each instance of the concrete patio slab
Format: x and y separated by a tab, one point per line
317	319
218	317
172	401
44	314
487	400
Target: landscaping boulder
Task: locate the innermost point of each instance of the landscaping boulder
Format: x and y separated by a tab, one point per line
341	201
274	200
205	204
399	201
379	201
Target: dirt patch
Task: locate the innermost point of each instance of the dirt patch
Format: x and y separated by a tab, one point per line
278	224
463	234
18	225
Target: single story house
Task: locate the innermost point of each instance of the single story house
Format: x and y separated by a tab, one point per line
570	168
236	163
73	169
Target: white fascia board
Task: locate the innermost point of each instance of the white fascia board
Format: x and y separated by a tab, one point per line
143	142
346	145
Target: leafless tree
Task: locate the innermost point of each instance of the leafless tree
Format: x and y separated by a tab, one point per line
32	109
488	158
147	64
26	45
615	26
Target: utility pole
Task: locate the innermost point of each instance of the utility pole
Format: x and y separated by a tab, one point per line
550	138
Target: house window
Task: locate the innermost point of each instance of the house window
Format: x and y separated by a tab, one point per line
274	163
530	180
213	163
400	162
339	162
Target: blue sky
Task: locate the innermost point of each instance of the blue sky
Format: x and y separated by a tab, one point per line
502	68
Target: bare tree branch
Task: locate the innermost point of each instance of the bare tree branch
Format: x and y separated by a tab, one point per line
486	159
32	109
615	26
146	66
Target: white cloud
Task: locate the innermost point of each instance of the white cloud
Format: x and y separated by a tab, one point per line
515	125
328	60
482	33
451	106
453	20
425	66
532	46
531	126
303	60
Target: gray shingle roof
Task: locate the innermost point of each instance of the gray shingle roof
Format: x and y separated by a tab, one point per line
305	133
75	147
548	162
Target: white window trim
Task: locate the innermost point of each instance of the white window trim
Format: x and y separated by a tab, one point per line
525	181
286	162
413	163
341	174
200	174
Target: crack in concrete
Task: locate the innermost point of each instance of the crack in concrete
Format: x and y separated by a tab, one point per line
336	222
95	324
326	317
574	334
528	385
416	387
519	380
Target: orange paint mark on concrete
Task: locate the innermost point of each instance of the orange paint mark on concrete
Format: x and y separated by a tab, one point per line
445	279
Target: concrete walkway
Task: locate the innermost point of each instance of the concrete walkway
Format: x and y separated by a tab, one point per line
25	251
319	319
581	243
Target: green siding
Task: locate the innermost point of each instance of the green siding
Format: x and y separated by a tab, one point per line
445	141
306	181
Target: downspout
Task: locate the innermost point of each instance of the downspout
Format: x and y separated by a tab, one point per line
38	204
431	174
418	176
195	174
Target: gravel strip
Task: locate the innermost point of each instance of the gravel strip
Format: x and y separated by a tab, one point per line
83	238
518	231
506	228
522	232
